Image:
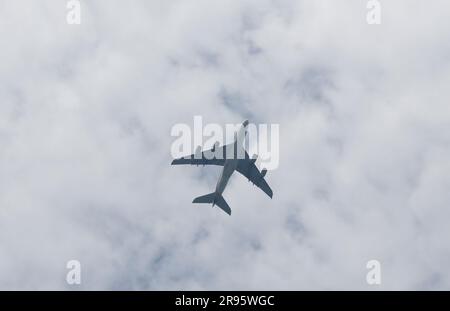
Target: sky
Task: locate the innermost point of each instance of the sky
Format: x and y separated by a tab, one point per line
86	113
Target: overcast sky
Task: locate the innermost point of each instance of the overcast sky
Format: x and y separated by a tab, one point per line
85	118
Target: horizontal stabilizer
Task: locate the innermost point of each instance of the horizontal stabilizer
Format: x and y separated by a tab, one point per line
215	199
209	198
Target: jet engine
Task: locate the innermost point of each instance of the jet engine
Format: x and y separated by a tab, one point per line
215	146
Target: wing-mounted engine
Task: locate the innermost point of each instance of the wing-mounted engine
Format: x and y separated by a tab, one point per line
264	172
254	158
215	146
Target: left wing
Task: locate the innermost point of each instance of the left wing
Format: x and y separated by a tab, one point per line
203	158
248	168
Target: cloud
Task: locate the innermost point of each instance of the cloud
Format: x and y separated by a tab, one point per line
85	119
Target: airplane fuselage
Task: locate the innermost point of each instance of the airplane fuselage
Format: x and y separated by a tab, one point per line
228	170
231	163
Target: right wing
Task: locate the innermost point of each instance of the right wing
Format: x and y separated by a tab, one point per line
248	168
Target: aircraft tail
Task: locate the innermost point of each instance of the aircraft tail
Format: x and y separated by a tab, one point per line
215	199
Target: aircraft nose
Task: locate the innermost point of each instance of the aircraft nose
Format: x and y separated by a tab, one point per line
245	124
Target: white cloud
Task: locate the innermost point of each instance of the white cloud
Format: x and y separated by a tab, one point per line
85	119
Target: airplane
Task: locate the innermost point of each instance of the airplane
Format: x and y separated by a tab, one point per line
233	157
